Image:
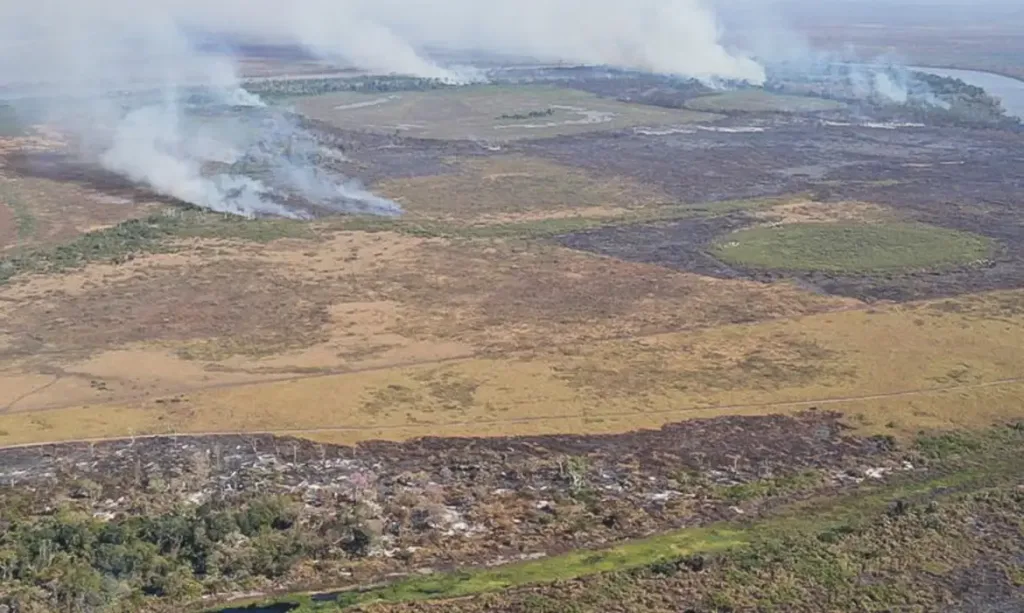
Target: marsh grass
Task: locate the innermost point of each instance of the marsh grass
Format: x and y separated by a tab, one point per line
852	247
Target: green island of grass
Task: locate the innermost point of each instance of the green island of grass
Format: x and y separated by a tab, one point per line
852	247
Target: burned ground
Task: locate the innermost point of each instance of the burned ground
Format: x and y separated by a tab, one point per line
957	179
432	503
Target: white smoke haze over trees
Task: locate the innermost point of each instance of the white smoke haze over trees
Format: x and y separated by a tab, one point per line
83	50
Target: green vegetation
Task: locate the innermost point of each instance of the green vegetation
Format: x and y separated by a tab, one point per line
852	247
70	561
543	228
282	88
962	101
760	101
151	234
531	115
169	554
10	123
765	488
819	548
906	557
24	221
157	233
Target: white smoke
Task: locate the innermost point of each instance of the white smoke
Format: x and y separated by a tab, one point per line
122	79
890	89
83	51
767	29
670	36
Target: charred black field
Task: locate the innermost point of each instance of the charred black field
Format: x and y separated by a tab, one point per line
632	344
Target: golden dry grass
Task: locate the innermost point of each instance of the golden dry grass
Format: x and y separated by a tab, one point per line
350	336
233	311
897	369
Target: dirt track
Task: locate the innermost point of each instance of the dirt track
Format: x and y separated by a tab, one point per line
814	403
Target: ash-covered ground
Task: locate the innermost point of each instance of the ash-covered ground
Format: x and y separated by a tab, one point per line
438	502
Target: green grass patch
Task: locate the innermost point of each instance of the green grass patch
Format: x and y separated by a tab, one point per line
852	247
25	221
474	112
152	234
760	101
798	538
775	486
948	445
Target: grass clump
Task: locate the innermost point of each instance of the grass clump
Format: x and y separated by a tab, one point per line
775	486
949	445
553	226
852	247
25	222
531	115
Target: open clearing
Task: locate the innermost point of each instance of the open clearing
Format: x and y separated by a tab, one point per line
36	210
492	113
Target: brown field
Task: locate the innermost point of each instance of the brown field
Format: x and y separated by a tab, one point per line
353	336
483	328
805	211
40	211
350	301
517	188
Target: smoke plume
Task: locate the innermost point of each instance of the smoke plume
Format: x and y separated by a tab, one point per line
669	36
121	76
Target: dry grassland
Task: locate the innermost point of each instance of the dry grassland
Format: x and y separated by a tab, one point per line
757	101
516	188
951	363
348	335
349	301
38	211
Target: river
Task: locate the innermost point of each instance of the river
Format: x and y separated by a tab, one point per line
1009	90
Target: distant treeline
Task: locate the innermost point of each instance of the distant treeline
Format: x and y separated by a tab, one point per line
531	115
966	102
627	85
930	98
279	88
70	561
